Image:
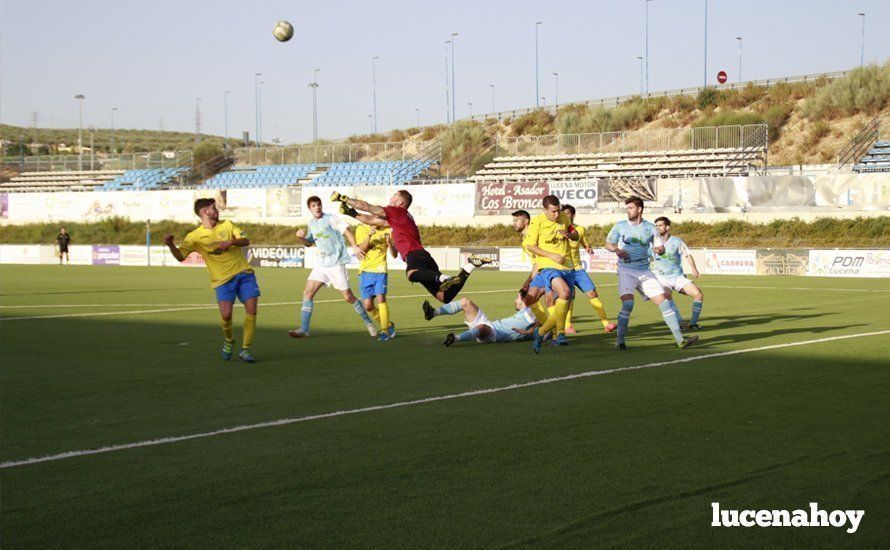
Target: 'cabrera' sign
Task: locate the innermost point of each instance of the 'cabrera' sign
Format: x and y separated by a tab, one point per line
504	198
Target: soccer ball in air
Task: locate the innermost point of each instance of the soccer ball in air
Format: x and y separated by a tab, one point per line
283	31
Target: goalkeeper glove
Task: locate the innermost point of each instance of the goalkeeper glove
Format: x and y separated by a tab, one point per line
347	210
335	196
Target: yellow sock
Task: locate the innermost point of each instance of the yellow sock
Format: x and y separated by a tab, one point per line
249	329
600	310
227	330
562	311
375	314
540	313
551	311
383	318
569	314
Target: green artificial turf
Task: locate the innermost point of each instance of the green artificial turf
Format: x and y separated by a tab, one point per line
630	458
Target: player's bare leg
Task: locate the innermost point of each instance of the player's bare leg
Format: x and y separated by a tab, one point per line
225	313
350	298
250	311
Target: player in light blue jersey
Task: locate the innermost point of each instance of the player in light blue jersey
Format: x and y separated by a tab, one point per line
668	268
515	328
630	240
329	234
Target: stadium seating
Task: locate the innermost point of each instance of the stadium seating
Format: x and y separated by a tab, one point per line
150	178
274	175
342	173
877	159
679	163
72	180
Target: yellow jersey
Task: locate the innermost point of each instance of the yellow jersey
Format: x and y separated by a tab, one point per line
222	264
576	246
375	256
544	234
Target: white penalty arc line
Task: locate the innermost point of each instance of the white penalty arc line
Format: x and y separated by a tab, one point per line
423	401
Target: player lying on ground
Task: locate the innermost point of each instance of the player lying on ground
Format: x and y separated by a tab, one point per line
220	244
421	267
373	277
630	240
547	239
581	278
509	329
668	268
329	233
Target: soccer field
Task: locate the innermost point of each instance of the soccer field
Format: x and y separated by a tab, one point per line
345	441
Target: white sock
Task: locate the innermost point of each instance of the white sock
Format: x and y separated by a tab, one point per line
469	268
443	278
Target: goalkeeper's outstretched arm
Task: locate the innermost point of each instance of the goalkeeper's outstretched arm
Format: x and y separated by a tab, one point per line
360	205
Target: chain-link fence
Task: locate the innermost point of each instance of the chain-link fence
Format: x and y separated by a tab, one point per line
660	139
326	154
129	161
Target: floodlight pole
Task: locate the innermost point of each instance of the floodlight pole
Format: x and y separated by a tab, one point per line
453	88
556	101
374	91
447	89
647	46
79	98
705	82
739	38
640	57
256	106
226	119
537	79
492	97
862	49
113	148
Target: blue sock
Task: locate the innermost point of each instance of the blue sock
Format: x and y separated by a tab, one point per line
677	311
624	319
696	311
670	319
468	335
360	309
448	309
306	312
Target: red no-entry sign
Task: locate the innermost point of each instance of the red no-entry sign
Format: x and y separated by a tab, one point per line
721	77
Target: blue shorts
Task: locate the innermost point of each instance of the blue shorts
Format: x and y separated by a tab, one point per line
372	284
545	276
242	285
582	281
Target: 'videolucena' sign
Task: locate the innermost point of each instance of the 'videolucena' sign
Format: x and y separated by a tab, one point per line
276	256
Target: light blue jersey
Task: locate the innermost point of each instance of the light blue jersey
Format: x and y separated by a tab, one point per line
670	264
327	234
635	240
503	328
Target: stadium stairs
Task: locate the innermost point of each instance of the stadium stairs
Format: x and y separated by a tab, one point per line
877	159
71	180
143	179
659	164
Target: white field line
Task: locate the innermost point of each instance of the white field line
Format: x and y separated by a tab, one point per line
185	307
423	401
191	307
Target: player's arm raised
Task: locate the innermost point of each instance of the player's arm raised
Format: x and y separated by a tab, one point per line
301	238
168	240
372	220
360	205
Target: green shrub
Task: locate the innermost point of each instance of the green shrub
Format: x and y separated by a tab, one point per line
707	97
864	90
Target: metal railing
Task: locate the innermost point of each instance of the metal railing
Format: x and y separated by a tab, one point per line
330	153
661	139
609	102
432	154
128	161
860	143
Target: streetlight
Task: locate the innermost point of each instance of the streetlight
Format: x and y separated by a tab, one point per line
79	98
862	50
92	149
470	105
705	82
371	119
739	38
314	86
256	106
447	90
417	112
492	97
646	2
640	57
113	148
453	92
226	119
537	80
556	102
197	120
374	90
260	96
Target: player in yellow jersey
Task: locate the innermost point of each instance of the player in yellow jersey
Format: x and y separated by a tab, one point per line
547	238
530	295
372	279
220	244
581	279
